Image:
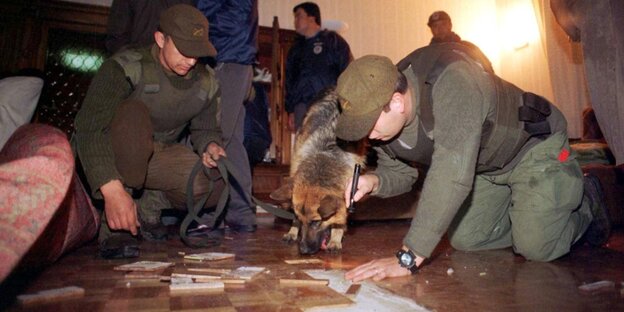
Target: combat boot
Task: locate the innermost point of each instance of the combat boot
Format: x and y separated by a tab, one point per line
117	244
149	207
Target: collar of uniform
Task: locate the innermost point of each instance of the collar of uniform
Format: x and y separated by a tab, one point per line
315	36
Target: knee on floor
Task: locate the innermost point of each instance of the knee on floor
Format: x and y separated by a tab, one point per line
538	251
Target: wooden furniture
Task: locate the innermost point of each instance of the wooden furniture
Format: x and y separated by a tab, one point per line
64	41
273	46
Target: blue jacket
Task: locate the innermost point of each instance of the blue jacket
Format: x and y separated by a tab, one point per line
233	29
313	64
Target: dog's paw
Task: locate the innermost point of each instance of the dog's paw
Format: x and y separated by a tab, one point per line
334	247
289	238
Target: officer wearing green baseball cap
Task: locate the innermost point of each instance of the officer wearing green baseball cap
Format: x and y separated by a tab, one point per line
130	128
500	169
188	28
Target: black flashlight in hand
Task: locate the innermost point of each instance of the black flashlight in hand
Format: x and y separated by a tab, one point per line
354	183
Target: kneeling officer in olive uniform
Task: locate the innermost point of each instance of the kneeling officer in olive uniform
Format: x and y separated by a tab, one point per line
138	107
500	169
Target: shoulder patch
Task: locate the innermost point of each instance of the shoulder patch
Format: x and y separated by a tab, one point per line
207	74
130	61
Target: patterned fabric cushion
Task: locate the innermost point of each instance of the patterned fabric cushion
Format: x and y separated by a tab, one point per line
40	192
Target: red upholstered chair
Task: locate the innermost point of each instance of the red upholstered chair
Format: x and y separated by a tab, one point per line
44	209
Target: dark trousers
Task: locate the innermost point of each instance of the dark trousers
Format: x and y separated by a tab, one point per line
155	166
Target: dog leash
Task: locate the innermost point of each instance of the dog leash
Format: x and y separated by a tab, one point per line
226	170
194	208
272	209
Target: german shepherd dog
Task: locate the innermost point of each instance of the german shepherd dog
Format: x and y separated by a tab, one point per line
320	167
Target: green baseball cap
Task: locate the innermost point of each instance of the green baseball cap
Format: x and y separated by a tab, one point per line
364	88
188	28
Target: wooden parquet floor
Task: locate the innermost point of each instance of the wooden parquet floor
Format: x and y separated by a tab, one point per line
482	281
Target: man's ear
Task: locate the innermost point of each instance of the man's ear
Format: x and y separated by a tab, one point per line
159	37
397	102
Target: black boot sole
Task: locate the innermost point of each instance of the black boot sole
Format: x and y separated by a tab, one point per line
122	252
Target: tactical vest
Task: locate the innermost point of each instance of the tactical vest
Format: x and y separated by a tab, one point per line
170	108
515	115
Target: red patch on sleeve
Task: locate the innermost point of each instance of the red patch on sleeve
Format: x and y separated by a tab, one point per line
563	155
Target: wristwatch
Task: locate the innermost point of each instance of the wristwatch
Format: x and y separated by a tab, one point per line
407	259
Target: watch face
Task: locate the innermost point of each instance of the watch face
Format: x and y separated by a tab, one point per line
406	259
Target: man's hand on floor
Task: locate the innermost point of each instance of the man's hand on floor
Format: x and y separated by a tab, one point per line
120	209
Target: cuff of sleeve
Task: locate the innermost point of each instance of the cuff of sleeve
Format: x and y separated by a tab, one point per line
99	182
201	148
379	192
421	241
100	175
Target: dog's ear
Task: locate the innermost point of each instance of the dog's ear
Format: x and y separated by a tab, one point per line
284	192
329	206
286	205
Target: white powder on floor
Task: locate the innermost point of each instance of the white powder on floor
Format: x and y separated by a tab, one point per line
370	297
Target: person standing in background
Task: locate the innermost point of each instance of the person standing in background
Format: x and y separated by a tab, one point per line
442	30
314	62
133	23
234	32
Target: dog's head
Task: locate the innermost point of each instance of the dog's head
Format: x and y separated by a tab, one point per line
318	209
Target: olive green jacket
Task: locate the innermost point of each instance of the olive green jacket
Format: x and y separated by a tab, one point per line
462	98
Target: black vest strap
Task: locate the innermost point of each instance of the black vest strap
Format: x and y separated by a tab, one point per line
426	101
534	113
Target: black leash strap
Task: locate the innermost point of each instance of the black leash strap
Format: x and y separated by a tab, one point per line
272	209
213	238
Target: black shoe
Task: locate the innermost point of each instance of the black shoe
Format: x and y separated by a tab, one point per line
242	219
242	228
119	246
599	229
204	236
205	231
154	231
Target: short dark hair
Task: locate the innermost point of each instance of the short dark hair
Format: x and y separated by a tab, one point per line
312	9
399	87
401	84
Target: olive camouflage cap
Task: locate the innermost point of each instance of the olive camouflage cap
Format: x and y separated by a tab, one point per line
364	88
188	28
